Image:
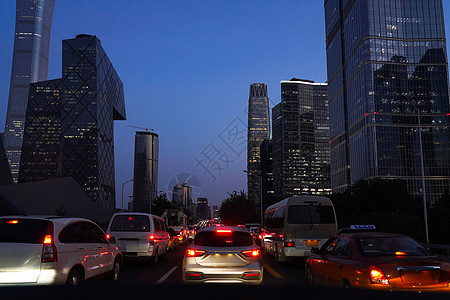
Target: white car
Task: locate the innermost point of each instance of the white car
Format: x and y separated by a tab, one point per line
223	255
139	235
54	250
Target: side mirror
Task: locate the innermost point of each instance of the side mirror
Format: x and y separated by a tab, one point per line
315	250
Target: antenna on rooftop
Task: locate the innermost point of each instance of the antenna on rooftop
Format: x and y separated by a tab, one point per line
146	129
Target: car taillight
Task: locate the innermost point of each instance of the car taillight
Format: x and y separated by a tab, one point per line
377	276
151	239
251	253
195	252
49	253
289	244
224	231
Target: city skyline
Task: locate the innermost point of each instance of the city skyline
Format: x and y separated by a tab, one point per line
207	50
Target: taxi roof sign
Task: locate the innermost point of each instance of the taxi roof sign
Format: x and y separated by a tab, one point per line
362	227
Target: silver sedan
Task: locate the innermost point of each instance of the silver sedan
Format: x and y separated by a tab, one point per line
223	255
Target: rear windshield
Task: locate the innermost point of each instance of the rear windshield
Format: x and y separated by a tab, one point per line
391	246
311	214
135	223
214	239
23	230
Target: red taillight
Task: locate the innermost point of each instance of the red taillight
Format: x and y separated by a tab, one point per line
195	252
108	236
400	253
151	239
48	239
377	276
251	275
224	231
12	221
251	253
289	244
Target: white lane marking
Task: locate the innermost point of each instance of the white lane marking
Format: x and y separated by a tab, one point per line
161	280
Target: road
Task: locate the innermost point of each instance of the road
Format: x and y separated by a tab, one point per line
168	271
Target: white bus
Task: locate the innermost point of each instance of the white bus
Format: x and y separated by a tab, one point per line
296	224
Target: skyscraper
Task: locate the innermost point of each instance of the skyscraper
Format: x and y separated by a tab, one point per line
30	64
69	126
145	184
266	167
300	147
258	130
388	70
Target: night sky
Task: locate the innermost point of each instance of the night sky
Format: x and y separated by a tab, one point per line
186	67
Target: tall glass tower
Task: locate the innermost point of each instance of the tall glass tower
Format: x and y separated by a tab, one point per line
388	90
145	184
301	155
69	125
258	131
30	64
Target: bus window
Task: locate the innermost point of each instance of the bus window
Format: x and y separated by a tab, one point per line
310	214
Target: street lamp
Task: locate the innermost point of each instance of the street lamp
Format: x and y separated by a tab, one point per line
260	193
422	169
123	184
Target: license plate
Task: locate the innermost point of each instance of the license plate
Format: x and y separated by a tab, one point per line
312	243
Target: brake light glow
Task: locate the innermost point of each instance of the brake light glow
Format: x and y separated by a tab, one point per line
108	236
377	276
251	253
289	244
12	221
400	253
48	239
224	231
195	252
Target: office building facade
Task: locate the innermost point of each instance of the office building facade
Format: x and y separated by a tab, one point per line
300	145
388	90
29	64
258	130
145	183
266	166
69	126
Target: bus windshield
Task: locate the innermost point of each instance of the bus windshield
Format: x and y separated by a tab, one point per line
310	214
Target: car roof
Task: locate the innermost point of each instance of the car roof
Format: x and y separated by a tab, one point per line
54	219
369	234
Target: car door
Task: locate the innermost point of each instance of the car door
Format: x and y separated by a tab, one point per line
319	264
340	262
91	252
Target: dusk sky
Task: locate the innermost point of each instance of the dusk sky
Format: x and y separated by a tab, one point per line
186	67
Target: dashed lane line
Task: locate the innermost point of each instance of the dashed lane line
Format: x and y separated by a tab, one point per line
162	279
272	271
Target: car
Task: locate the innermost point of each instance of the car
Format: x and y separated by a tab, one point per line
139	235
224	254
361	257
174	242
192	232
47	250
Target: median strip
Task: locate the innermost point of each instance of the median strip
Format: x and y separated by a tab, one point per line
272	271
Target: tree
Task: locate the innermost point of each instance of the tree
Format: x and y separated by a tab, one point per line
383	203
237	209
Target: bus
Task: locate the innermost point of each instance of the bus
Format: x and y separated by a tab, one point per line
296	224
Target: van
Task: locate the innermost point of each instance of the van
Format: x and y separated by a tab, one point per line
139	235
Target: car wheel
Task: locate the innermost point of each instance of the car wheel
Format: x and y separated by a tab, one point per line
74	277
345	284
116	270
310	281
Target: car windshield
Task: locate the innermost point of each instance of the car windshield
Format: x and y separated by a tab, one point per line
23	231
390	246
216	239
130	223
